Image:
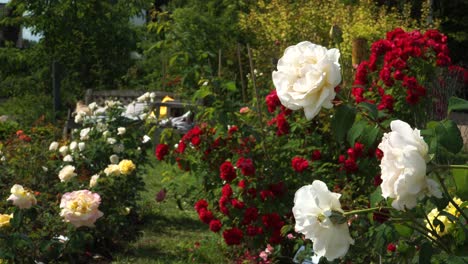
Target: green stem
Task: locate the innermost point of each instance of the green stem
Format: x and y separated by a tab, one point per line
455	166
367	210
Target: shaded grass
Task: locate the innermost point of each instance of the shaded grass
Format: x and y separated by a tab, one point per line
171	235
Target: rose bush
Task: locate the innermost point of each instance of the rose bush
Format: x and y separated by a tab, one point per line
57	218
386	174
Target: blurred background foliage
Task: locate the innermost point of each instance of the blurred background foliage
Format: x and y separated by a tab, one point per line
186	43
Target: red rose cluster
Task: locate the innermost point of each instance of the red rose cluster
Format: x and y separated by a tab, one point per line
280	121
22	136
391	73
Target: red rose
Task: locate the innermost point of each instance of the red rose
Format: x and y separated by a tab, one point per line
316	155
272	101
246	166
299	164
215	225
391	247
227	191
205	215
161	151
233	236
227	171
250	215
201	204
237	204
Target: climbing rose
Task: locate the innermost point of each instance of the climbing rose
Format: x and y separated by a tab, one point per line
306	77
246	166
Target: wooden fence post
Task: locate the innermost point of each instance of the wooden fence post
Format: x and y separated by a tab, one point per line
359	51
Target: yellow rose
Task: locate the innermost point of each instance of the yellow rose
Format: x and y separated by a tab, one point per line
126	166
5	219
448	224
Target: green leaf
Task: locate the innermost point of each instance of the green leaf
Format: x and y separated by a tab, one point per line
355	131
450	137
460	176
231	86
376	197
371	109
456	103
370	135
342	121
403	230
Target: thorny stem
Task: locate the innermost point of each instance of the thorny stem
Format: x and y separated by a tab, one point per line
367	210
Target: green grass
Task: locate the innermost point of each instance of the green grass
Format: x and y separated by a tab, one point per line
171	235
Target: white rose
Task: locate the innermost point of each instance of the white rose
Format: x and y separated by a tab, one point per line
79	118
68	158
84	133
307	76
146	139
111	141
93	106
315	210
22	198
143	98
112	169
81	146
93	181
403	167
66	173
114	159
121	130
53	146
73	146
63	150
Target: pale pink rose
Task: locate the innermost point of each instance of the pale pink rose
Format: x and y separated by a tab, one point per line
244	110
22	198
263	255
80	208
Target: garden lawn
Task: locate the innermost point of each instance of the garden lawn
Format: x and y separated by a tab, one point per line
171	235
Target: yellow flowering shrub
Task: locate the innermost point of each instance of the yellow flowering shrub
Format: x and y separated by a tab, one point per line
277	24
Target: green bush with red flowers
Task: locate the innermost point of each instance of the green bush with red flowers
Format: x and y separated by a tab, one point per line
246	173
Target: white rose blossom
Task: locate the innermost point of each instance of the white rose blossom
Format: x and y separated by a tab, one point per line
146	139
316	211
66	173
111	141
93	181
73	146
121	131
53	146
22	198
81	146
403	167
63	150
84	133
306	77
68	158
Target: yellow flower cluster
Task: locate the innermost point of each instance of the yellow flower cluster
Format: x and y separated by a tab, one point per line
448	224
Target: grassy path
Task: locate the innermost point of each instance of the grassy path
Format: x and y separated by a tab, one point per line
171	235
